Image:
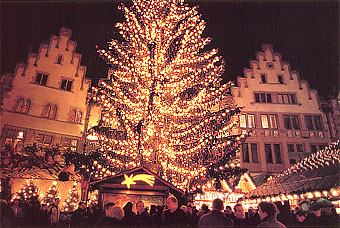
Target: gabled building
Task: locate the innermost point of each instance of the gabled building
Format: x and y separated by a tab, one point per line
284	113
44	100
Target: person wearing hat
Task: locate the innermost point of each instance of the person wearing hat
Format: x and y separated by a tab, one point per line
315	218
215	218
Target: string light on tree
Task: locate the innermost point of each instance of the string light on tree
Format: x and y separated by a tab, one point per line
71	202
51	194
27	192
164	106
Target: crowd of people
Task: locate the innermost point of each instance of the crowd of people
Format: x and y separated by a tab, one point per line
33	214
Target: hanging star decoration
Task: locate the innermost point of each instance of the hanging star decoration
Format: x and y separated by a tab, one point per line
129	180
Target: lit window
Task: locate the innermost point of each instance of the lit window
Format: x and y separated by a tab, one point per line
41	79
273	122
243	123
75	116
264	120
66	84
15	138
71	143
251	121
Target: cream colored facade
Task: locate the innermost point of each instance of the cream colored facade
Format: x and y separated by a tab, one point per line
331	107
284	113
44	100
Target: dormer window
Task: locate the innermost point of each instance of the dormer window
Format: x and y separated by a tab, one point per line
263	78
60	58
280	78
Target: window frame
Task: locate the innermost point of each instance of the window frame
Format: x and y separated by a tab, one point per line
50	111
280	79
24	107
277	153
254	153
269	155
60	59
43	80
74	116
245	153
66	87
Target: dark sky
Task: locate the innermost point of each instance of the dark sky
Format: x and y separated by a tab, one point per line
306	33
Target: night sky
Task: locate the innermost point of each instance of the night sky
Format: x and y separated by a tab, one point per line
306	33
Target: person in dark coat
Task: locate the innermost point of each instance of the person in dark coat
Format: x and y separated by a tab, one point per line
240	216
228	212
174	216
106	220
316	218
215	218
128	214
141	219
298	218
158	217
267	212
7	215
79	218
44	216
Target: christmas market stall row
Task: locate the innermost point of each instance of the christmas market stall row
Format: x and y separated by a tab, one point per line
313	180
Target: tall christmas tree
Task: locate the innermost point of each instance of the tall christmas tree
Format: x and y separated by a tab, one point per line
71	202
163	106
51	194
27	192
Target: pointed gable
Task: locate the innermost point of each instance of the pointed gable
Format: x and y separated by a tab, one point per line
136	180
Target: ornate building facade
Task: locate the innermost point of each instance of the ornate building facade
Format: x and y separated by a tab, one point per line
284	114
44	100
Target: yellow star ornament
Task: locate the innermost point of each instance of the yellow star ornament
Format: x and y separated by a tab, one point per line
129	180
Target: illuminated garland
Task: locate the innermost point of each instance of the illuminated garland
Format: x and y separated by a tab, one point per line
163	106
328	159
27	192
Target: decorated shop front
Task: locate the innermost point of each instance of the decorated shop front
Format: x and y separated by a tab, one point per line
229	195
315	179
134	185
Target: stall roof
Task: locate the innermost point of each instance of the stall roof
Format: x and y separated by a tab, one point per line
139	169
319	171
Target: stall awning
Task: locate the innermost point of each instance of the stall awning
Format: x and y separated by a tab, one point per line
318	172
